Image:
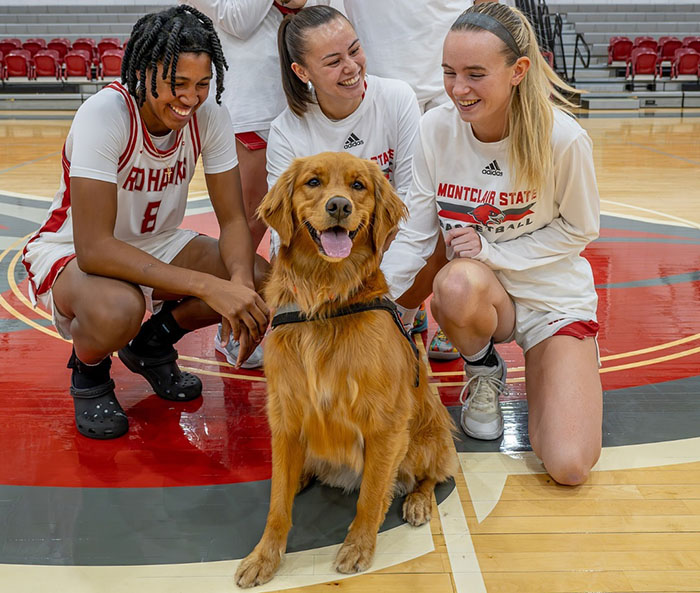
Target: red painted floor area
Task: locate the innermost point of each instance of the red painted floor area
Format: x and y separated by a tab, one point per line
646	337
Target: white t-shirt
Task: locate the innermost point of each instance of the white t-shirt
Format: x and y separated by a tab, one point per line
531	239
108	141
403	39
383	128
248	33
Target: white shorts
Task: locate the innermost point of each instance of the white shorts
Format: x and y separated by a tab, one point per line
533	327
45	260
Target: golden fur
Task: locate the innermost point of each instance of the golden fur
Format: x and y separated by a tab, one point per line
342	402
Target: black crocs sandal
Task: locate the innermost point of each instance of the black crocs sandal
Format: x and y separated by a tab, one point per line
165	377
98	414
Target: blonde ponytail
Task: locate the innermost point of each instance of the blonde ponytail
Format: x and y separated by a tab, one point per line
531	110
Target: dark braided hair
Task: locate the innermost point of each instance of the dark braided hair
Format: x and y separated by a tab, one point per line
162	37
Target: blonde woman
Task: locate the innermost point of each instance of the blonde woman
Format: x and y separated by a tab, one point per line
503	201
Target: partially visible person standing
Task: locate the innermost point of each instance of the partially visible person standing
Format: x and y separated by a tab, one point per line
253	97
403	39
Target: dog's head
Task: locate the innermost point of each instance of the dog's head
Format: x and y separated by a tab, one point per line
332	205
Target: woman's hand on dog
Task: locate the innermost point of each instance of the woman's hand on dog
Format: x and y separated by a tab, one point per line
465	241
244	314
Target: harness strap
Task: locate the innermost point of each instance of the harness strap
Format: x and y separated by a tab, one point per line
292	314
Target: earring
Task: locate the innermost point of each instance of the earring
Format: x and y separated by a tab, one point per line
310	86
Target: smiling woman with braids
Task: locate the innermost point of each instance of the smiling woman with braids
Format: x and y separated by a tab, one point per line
111	248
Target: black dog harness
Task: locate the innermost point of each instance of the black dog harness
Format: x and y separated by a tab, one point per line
292	314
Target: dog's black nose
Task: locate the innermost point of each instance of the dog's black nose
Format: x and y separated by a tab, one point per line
339	207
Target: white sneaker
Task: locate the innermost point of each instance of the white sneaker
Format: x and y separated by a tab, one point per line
230	351
481	413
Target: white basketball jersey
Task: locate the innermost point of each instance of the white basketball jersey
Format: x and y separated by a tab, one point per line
152	187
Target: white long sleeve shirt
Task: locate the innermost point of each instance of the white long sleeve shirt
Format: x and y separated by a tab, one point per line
248	33
531	239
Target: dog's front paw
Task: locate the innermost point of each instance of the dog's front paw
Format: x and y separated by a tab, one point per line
416	508
354	556
257	568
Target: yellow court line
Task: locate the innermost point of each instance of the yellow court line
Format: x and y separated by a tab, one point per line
18	293
629	354
10	309
220	374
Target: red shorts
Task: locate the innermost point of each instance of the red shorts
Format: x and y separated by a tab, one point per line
251	140
580	330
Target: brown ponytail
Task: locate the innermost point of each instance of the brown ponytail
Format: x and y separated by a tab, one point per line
291	44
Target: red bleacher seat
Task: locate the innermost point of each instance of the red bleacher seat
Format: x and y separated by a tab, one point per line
47	62
59	44
2	66
7	44
78	62
686	61
693	42
549	57
111	62
619	49
108	43
668	47
642	60
86	44
18	63
34	45
645	41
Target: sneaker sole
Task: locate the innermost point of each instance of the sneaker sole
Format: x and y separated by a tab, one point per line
435	355
486	435
246	365
497	431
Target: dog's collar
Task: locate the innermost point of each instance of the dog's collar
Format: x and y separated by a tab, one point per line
292	314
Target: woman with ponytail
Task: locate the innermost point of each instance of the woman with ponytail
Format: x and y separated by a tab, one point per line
502	203
333	105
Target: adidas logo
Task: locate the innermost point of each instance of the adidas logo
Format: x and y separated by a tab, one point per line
353	141
492	169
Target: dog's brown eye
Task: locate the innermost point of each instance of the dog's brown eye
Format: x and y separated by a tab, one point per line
313	182
357	185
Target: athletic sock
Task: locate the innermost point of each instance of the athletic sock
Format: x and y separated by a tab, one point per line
485	357
157	335
407	315
89	375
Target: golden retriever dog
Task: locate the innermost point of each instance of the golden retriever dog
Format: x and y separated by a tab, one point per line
348	399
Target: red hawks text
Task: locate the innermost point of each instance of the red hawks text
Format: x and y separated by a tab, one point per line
151	180
477	195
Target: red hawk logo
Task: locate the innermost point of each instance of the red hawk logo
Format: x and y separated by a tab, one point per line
484	214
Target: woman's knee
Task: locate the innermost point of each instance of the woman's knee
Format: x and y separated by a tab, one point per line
570	465
114	318
458	291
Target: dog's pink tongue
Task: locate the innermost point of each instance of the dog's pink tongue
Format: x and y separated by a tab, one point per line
336	243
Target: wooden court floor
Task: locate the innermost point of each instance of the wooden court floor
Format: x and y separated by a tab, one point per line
175	504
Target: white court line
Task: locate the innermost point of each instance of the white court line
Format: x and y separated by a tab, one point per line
669	217
486	473
460	548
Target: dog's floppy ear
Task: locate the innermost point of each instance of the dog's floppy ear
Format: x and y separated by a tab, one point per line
275	210
388	208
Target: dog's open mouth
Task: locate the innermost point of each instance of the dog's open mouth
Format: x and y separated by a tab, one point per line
333	242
